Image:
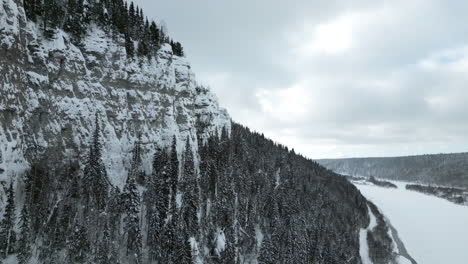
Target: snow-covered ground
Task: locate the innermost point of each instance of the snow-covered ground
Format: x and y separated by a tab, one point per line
433	230
363	245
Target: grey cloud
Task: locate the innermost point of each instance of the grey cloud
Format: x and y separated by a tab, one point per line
365	101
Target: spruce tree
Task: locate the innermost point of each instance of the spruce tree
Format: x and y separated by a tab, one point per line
142	48
114	209
53	15
7	232
129	46
24	246
95	174
103	252
177	48
154	37
140	24
170	245
190	187
99	13
268	254
29	9
132	21
132	218
174	172
78	244
154	235
157	200
75	20
136	170
184	253
228	255
38	8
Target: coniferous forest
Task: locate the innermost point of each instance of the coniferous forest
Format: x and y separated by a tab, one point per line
142	37
250	198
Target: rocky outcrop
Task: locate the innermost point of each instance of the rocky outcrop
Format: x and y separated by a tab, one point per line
51	90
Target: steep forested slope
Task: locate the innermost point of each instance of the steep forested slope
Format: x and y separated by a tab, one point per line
251	199
442	169
110	152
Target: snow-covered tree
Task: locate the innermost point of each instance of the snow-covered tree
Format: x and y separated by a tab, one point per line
190	188
95	174
131	198
78	244
157	202
104	248
7	231
24	246
136	170
173	172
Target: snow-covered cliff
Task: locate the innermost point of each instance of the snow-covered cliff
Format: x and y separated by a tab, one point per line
51	89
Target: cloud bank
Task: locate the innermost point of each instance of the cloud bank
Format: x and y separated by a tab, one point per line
333	78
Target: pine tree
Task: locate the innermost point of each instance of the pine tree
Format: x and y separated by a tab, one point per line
7	232
24	247
95	174
132	219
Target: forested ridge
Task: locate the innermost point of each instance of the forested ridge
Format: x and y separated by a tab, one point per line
250	198
142	37
441	169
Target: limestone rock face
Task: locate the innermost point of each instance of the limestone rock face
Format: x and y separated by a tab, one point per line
51	90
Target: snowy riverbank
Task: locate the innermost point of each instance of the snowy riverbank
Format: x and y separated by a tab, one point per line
433	230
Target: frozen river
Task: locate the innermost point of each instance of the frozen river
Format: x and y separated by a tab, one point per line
434	231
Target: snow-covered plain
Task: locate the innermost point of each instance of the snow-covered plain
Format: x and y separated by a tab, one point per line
433	230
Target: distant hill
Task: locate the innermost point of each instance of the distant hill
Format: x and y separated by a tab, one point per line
441	169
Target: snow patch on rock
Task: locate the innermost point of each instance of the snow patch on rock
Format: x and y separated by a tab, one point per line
52	90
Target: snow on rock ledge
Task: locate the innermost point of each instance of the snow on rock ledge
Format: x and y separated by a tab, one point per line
50	91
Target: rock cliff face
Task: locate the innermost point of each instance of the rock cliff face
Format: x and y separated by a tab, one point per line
51	90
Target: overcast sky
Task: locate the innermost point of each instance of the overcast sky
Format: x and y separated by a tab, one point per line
335	78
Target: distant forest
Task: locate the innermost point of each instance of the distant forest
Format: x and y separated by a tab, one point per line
440	169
